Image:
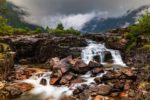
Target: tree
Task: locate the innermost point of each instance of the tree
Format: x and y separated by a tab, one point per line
143	26
60	26
4	28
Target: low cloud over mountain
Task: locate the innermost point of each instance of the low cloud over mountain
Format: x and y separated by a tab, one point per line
79	14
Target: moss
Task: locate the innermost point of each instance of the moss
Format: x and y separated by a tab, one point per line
147	46
2	55
4	47
144	85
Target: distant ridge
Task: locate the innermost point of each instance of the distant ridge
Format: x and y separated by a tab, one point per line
102	25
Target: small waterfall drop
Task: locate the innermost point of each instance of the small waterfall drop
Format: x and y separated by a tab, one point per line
98	49
47	90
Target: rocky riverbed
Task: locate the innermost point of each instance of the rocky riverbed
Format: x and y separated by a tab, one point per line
72	68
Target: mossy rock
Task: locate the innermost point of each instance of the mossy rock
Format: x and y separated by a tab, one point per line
2	55
147	46
4	47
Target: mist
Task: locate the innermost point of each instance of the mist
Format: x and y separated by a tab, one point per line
74	13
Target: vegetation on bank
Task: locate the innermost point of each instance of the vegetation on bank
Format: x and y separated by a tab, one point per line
11	23
59	30
141	28
6	29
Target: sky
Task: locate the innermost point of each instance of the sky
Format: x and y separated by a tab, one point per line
74	13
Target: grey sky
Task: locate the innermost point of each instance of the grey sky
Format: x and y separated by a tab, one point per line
43	9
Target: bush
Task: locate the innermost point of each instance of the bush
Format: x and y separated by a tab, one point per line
141	28
4	28
59	30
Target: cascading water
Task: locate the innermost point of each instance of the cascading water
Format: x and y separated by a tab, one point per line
95	49
48	90
56	92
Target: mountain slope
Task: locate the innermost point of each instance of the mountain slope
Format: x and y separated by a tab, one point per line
14	15
102	25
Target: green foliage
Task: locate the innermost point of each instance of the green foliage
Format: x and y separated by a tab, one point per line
4	28
142	28
59	30
60	27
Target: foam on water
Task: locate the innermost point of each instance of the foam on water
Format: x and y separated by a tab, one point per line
98	49
54	91
47	90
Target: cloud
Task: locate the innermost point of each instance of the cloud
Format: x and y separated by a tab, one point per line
76	21
74	13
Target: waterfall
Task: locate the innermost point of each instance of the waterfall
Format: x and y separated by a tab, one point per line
47	90
98	49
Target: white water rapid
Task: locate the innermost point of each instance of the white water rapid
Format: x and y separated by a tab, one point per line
56	92
97	49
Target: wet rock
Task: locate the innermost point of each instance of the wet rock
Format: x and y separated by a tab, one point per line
108	57
66	79
99	97
108	76
24	86
114	94
40	48
2	85
77	91
123	95
127	84
57	73
96	58
43	82
23	61
104	90
80	67
13	91
24	73
128	72
93	64
118	87
63	81
66	98
97	70
98	80
53	62
78	80
54	80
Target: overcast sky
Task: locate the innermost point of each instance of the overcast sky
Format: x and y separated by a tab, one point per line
74	13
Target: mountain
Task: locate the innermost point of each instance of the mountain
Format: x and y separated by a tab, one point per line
102	25
14	14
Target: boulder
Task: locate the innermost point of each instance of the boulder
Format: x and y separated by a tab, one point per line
97	70
93	64
80	67
13	91
104	90
24	86
108	57
2	85
98	80
54	80
99	97
53	62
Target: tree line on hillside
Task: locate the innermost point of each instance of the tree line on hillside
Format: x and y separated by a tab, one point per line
6	29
